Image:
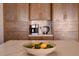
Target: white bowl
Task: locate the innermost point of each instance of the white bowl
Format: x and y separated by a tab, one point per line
40	52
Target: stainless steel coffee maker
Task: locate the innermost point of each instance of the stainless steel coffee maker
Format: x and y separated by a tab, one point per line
34	29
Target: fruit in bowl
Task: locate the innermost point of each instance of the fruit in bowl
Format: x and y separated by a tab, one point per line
39	49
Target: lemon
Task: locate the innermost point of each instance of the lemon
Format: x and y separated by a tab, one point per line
43	45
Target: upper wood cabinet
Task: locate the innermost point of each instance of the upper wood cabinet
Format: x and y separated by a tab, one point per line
65	21
40	11
16	21
10	12
65	17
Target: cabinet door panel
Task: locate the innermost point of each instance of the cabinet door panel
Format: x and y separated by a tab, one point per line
10	12
40	11
65	21
65	17
16	21
22	12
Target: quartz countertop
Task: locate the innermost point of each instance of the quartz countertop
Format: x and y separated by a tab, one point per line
63	48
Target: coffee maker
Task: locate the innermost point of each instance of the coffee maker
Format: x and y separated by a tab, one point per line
34	29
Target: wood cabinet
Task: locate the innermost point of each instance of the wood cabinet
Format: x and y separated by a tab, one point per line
78	22
16	21
65	17
40	11
65	21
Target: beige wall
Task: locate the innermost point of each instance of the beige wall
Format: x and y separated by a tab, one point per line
65	20
1	23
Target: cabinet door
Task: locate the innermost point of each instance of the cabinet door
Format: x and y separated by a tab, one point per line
40	11
65	21
10	12
16	17
65	17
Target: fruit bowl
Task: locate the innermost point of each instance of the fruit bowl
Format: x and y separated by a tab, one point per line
39	49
